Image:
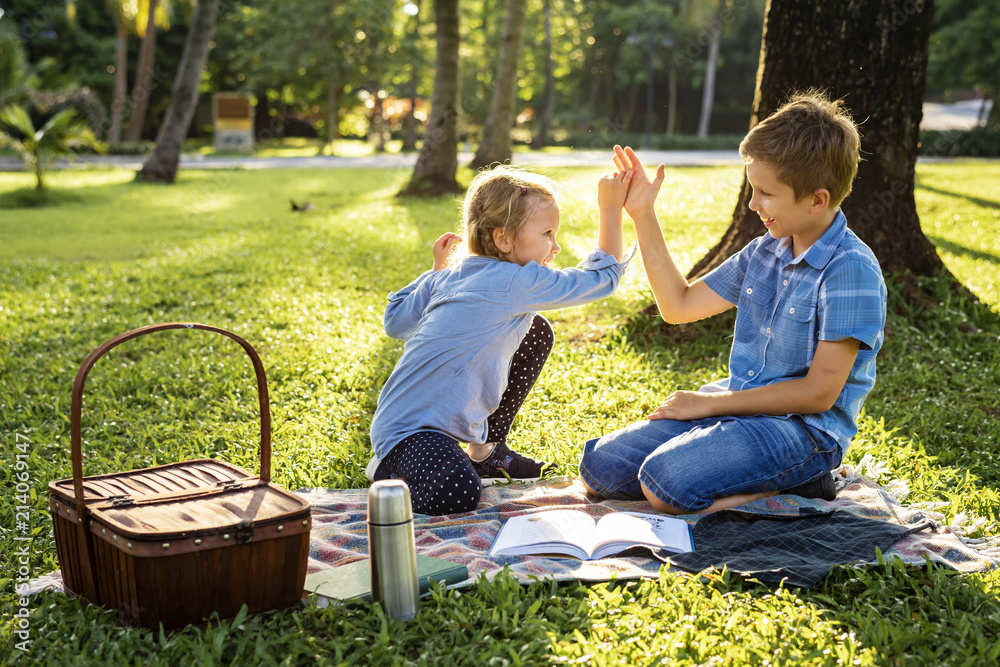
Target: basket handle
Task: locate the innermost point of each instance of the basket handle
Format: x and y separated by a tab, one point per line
88	363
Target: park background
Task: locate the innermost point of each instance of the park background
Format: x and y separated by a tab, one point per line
99	253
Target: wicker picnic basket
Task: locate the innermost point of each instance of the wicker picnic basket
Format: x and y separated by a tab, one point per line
173	543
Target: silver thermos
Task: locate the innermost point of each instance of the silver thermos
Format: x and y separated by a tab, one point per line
392	549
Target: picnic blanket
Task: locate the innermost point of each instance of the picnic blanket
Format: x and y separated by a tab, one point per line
339	532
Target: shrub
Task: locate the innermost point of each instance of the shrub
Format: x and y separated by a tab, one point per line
131	148
976	142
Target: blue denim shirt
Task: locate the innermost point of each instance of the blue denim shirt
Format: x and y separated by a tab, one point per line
786	305
462	326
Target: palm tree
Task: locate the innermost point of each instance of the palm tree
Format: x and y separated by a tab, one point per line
144	80
161	167
120	12
61	134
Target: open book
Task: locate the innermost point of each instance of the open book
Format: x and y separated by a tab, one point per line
577	534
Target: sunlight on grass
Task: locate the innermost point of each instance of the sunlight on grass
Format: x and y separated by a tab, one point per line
308	289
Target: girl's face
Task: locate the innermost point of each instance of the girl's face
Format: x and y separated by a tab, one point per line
537	240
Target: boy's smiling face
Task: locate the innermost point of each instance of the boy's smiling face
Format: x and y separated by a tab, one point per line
804	220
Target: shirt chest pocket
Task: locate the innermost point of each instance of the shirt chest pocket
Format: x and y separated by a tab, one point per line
760	294
800	307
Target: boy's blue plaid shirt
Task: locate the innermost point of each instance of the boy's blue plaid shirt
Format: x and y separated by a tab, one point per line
786	305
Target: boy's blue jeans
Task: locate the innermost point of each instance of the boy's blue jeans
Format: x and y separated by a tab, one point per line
689	464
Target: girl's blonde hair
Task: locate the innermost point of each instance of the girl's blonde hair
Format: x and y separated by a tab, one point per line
501	198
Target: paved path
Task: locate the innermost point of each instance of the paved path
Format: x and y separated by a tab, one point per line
589	158
936	116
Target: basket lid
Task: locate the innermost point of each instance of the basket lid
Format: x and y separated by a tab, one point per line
249	504
156	480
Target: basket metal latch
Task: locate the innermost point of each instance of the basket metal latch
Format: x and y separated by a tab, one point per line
229	486
244	532
121	501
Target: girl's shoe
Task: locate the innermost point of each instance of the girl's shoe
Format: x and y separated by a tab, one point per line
375	471
503	464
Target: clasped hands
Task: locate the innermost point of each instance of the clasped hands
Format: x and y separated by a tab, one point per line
629	186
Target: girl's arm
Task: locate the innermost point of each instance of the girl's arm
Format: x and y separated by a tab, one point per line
677	300
444	248
406	306
611	193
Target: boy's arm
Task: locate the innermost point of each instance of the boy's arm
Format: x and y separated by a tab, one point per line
676	298
814	393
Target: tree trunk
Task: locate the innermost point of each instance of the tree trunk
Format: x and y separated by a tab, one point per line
708	94
161	167
410	122
671	97
873	54
144	78
332	108
437	163
993	117
376	121
548	96
121	80
495	146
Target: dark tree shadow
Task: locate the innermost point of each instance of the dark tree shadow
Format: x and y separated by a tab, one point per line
978	201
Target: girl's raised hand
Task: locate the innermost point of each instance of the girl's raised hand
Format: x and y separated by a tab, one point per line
612	190
444	248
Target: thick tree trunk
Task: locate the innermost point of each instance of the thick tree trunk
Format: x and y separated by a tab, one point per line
161	167
872	53
121	80
495	146
548	96
145	80
437	163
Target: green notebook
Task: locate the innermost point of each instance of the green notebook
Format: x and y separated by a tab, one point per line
352	582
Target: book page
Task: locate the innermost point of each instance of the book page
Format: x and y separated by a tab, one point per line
616	532
545	532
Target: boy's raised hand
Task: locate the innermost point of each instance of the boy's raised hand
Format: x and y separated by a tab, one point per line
444	247
642	191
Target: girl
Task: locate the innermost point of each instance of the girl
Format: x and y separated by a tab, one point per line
474	342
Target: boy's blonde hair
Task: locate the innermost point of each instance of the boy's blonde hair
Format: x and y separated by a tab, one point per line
501	198
811	142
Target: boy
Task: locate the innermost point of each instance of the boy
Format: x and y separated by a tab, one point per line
810	301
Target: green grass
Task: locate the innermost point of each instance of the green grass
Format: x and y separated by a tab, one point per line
307	290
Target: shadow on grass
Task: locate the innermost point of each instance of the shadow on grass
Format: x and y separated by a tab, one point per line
961	250
978	201
35	198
